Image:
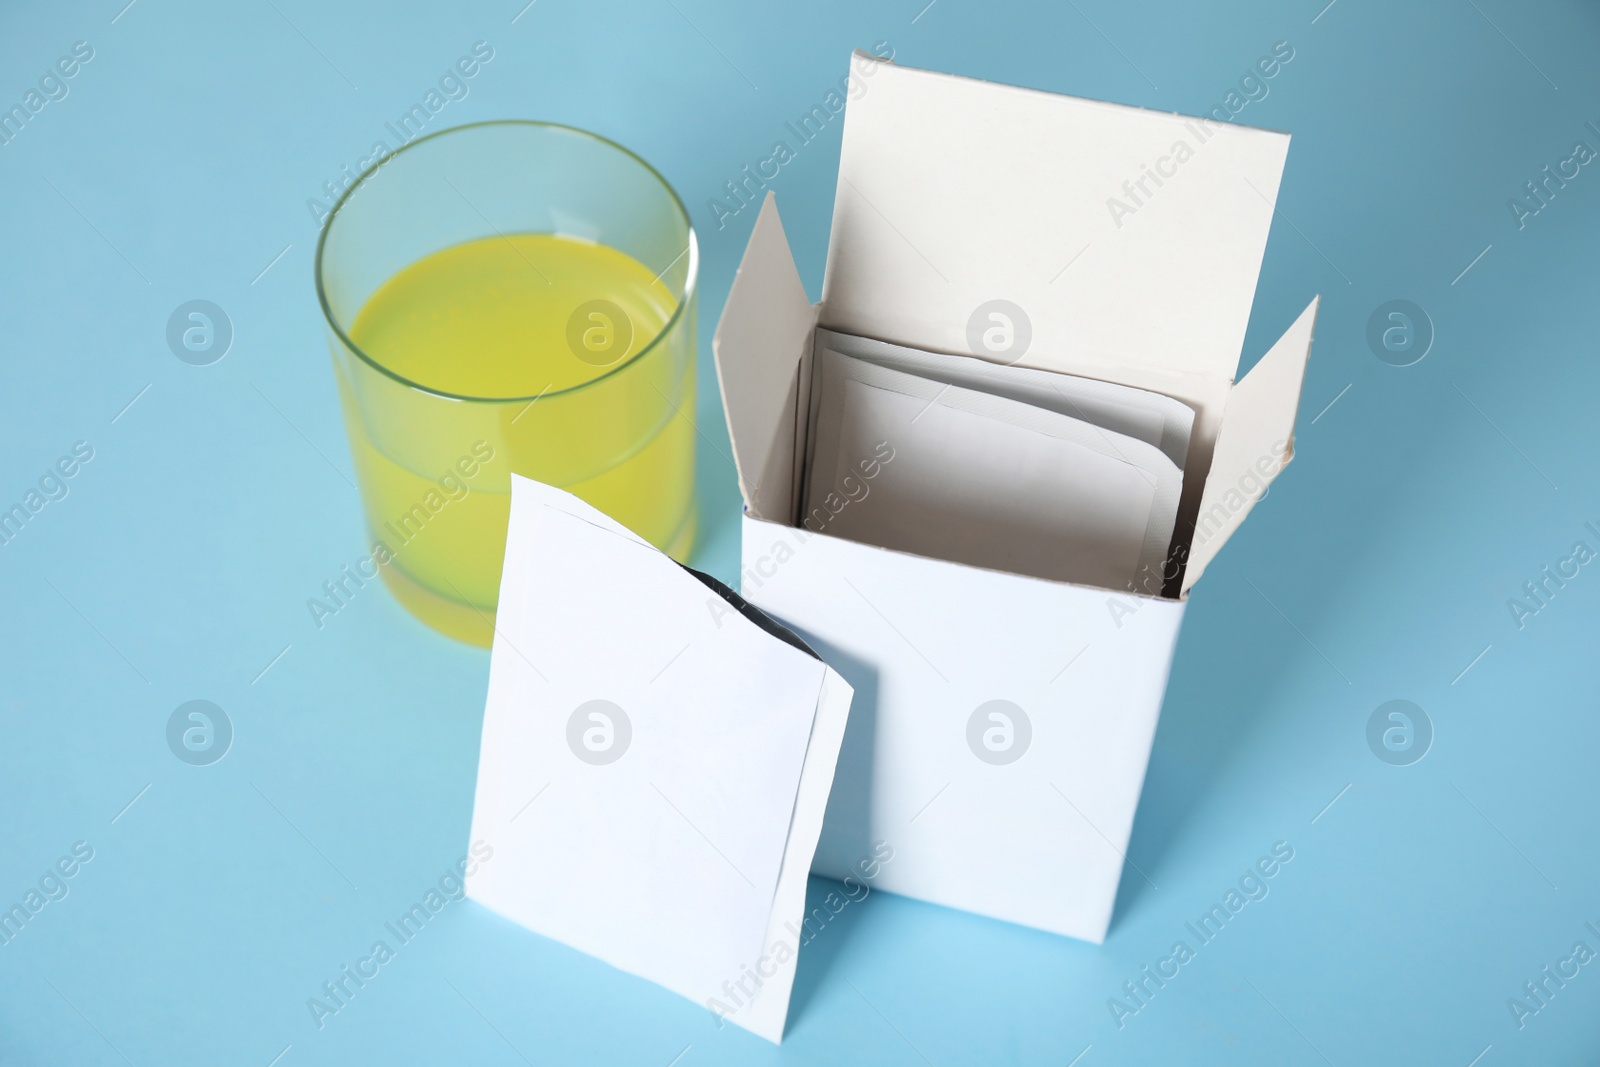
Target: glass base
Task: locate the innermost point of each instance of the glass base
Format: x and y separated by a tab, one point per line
474	625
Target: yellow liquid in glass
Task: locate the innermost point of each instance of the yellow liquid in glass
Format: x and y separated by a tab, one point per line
493	319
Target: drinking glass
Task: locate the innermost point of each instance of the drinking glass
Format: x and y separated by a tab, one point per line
614	426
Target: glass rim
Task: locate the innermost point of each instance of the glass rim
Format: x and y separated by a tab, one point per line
693	252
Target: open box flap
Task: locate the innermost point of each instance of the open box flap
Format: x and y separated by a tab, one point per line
954	192
765	330
664	747
1257	441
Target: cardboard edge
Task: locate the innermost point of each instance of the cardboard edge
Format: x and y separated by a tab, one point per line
1255	443
1125	845
805	535
767	1015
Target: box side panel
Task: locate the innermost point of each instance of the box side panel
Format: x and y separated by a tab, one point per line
765	329
1255	443
1000	730
1119	237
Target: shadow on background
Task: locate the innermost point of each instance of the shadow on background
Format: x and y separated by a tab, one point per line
847	827
832	912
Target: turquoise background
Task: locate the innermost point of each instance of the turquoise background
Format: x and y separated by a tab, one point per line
1378	568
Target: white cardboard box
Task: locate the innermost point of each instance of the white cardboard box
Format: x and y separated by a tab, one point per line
1002	724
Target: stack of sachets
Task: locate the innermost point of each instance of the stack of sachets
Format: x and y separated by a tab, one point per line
1030	471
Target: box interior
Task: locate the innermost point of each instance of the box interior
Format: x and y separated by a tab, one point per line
1131	240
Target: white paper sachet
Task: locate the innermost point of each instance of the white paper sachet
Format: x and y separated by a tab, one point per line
654	764
983	480
1145	416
